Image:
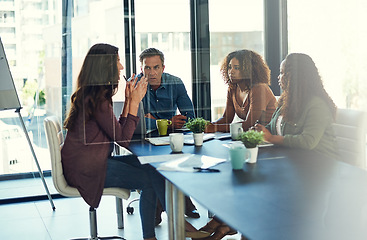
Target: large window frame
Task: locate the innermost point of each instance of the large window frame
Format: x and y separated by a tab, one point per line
275	47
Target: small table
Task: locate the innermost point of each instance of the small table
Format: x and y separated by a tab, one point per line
288	194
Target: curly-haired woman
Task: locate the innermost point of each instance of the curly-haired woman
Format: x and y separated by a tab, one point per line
249	96
305	112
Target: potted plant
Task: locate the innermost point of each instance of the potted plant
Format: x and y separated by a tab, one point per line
251	140
197	127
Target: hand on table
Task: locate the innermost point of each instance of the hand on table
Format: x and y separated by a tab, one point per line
210	128
268	137
178	121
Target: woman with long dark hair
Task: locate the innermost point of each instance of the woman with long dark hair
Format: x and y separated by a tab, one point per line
305	112
92	129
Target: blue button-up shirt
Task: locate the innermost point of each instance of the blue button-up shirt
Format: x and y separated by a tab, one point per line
163	102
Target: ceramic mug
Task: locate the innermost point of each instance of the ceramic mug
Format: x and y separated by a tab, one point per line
238	155
176	141
162	125
235	130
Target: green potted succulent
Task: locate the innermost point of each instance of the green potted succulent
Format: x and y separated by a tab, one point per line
197	127
251	139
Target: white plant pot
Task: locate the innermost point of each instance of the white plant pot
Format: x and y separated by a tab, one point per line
198	139
253	157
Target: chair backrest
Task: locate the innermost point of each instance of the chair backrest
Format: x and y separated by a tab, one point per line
350	128
55	140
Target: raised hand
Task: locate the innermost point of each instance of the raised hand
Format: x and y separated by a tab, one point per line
139	90
134	93
128	87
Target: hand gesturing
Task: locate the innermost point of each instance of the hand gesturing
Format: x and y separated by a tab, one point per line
135	91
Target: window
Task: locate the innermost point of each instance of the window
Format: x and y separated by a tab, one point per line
234	25
335	39
25	48
168	29
39	70
96	22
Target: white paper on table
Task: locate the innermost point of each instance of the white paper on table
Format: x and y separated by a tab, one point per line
187	163
162	158
188	139
262	144
158	141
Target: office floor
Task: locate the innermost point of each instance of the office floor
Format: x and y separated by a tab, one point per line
36	220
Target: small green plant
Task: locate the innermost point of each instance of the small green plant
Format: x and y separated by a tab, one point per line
251	138
41	98
197	125
30	91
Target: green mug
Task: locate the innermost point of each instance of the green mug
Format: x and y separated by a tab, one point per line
162	125
238	155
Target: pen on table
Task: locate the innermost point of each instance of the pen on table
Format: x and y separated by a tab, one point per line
206	169
185	114
253	127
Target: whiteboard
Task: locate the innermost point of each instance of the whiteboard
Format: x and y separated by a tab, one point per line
8	94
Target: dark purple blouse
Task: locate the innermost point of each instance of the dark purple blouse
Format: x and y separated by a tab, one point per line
87	147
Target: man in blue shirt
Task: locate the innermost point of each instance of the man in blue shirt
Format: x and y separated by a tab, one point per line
164	95
165	92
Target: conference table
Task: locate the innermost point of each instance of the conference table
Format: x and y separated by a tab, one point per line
288	194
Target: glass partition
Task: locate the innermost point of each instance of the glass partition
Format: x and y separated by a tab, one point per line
165	25
333	33
97	21
35	61
233	25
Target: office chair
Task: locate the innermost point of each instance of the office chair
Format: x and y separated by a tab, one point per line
350	128
55	140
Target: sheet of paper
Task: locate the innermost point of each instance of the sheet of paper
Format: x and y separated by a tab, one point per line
162	158
262	144
158	141
188	139
187	163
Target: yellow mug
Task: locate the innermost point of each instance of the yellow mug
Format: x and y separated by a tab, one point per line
162	125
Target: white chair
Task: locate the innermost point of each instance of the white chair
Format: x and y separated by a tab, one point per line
55	140
350	128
